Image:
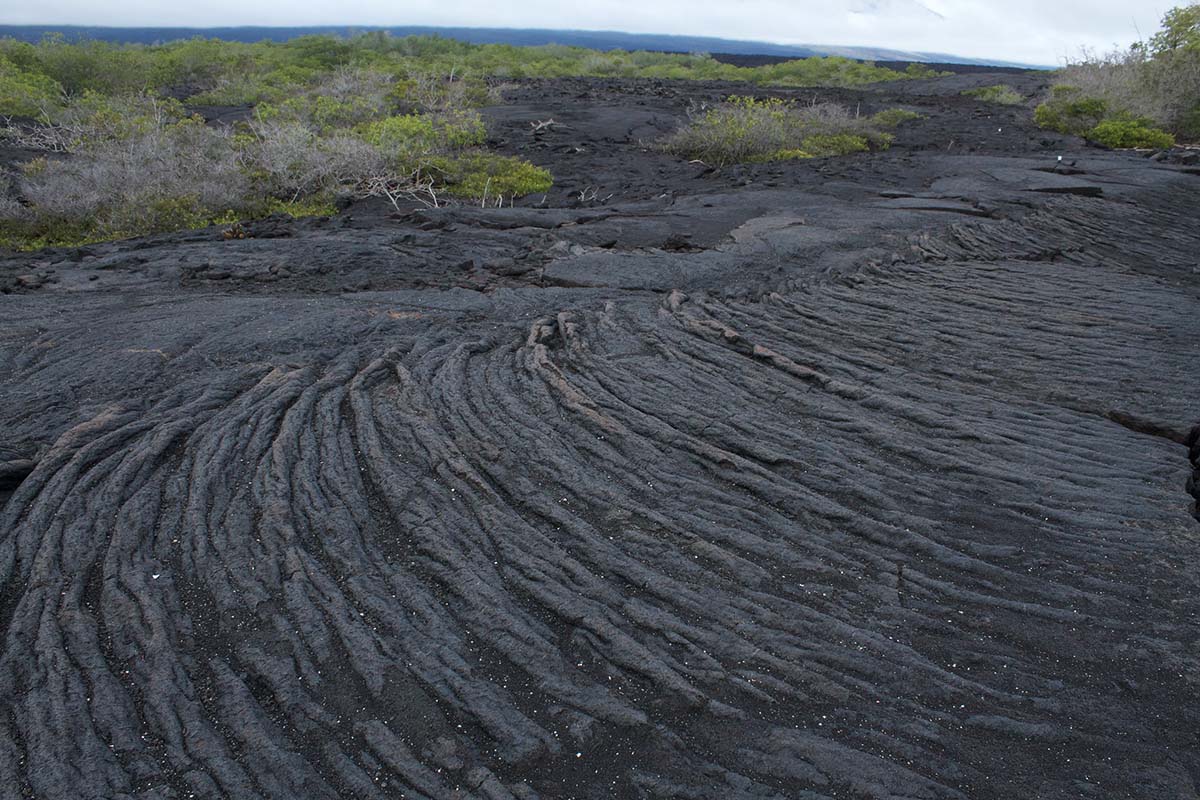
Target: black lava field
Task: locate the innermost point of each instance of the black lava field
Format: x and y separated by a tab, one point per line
869	477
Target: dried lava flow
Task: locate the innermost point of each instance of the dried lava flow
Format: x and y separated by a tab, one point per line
867	532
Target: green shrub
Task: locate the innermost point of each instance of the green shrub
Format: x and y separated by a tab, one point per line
1130	133
1068	110
793	154
308	207
749	130
836	144
740	130
25	93
459	128
318	52
322	112
480	175
31	234
93	117
407	136
413	138
37	231
1000	93
340	99
829	71
22	54
99	66
252	87
197	64
171	213
919	71
432	92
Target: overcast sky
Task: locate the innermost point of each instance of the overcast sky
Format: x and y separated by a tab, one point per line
1035	31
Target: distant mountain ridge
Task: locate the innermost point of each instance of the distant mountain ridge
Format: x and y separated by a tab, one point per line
596	40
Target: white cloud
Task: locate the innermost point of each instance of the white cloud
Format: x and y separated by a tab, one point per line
1038	31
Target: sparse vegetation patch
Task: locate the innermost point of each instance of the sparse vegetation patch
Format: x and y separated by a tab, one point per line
371	115
129	163
747	130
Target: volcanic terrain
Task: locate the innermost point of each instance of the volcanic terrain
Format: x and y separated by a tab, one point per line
864	477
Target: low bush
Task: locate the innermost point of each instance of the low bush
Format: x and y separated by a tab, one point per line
749	130
177	175
26	93
94	117
832	71
835	144
1069	110
437	92
254	86
288	160
1130	132
414	136
25	233
487	176
98	66
340	99
1000	93
1156	82
742	129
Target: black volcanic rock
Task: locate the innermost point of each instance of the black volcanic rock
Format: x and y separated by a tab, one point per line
873	483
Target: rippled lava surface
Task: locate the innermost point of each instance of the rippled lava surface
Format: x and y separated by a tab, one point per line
866	478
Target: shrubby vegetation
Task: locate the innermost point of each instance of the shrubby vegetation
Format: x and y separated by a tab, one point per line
133	164
23	92
1069	110
209	71
127	160
1143	97
749	130
368	116
1130	132
1000	93
891	117
490	177
103	190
